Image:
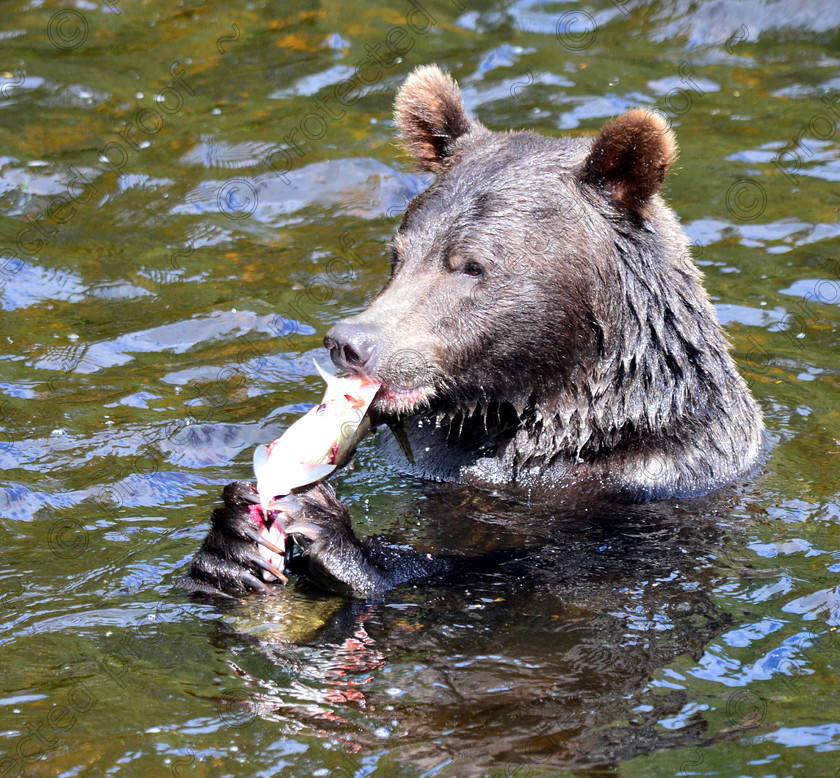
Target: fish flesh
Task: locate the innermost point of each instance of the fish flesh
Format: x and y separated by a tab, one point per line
312	448
318	442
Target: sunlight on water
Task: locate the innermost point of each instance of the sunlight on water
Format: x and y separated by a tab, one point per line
191	195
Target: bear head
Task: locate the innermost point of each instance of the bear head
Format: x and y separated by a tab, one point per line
544	274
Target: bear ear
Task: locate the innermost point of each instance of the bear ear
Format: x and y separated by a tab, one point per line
630	157
431	117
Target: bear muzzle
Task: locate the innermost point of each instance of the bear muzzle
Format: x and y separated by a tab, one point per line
353	347
406	373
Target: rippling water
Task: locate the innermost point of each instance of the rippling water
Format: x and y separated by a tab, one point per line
178	234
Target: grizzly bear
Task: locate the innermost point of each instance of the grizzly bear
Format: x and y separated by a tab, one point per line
544	328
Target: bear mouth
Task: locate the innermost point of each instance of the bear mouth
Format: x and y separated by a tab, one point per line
393	400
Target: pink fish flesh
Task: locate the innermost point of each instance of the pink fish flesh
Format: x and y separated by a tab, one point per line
318	442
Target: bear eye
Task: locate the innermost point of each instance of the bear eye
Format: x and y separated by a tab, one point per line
472	269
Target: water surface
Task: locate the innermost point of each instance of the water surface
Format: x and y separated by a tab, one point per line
179	233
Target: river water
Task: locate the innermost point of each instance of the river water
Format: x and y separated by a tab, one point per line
186	208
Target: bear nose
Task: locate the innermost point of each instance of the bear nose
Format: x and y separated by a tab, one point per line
352	347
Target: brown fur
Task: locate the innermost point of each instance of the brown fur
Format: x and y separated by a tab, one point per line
431	117
544	301
631	156
544	328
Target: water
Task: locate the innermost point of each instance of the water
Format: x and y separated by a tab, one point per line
169	275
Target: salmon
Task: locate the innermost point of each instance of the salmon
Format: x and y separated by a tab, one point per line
318	442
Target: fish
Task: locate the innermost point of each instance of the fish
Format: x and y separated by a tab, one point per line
318	442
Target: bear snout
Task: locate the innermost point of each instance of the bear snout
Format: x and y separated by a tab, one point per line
353	347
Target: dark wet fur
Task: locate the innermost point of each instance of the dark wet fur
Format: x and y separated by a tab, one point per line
339	561
546	330
227	562
546	278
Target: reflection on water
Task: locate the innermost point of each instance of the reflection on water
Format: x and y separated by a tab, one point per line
529	658
163	295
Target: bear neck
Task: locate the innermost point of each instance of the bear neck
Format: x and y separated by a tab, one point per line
662	410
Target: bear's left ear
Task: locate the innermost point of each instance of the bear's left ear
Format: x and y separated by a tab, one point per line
630	158
431	116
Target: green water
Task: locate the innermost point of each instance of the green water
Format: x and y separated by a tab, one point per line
186	207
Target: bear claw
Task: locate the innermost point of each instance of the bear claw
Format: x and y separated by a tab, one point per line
306	529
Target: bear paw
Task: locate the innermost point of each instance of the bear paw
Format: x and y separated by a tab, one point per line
244	551
337	559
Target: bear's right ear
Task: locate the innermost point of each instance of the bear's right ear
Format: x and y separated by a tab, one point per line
630	157
431	116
